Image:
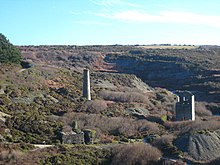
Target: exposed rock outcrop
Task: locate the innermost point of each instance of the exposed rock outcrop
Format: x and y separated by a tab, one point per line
200	145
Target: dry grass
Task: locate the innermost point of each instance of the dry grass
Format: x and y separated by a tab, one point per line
168	47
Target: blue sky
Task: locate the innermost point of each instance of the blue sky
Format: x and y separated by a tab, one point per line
92	22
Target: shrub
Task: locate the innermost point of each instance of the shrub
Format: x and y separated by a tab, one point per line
214	108
78	155
94	106
124	96
201	110
9	155
191	126
164	118
164	140
112	125
132	154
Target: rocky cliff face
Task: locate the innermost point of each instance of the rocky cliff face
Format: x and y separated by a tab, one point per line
194	70
155	71
200	145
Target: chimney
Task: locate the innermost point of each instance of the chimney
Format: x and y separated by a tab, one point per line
86	84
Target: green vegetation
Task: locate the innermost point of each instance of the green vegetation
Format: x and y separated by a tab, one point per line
8	52
78	155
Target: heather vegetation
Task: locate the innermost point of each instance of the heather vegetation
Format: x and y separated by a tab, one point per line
40	101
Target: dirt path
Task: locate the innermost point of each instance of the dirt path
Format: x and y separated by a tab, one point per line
41	146
21	70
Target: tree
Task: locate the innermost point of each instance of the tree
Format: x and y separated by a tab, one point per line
8	52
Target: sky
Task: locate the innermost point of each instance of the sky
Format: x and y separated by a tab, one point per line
108	22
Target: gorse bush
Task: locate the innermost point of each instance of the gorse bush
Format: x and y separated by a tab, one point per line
8	52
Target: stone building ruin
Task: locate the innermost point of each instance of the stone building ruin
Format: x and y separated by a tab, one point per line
185	106
72	137
86	84
76	136
83	137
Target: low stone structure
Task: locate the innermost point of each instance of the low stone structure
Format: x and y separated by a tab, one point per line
72	137
76	136
185	106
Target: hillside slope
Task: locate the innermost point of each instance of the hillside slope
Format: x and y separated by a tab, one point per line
129	102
